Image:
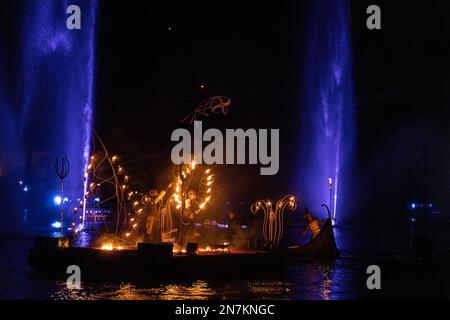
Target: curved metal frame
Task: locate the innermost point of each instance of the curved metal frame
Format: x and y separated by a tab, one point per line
273	223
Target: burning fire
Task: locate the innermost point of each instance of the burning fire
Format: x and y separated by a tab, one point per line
207	249
110	247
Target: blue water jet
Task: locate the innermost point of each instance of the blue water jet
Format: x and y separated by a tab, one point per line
327	135
57	95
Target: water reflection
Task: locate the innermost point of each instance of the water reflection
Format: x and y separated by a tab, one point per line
317	280
198	290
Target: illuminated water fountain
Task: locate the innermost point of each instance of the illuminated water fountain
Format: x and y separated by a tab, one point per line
327	118
57	95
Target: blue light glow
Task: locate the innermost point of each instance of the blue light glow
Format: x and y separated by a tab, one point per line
58	85
328	121
57	200
56	225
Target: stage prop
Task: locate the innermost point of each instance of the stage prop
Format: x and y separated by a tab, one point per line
273	224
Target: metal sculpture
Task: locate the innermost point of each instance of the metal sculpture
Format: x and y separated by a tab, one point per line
273	223
185	174
62	172
209	106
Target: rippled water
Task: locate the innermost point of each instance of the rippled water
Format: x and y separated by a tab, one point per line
340	279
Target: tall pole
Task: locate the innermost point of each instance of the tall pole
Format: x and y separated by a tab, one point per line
330	183
62	208
182	209
62	172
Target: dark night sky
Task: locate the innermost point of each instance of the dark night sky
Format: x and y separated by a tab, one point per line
149	77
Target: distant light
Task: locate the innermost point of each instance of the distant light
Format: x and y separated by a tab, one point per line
413	219
66	199
56	224
202	86
20	183
413	205
57	200
26	189
97	199
430	205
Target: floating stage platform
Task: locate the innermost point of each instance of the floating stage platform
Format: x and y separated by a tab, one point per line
98	263
53	256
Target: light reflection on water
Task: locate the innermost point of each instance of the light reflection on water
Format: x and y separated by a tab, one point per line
132	291
311	282
198	290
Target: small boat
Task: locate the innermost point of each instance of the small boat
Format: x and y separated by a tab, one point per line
323	245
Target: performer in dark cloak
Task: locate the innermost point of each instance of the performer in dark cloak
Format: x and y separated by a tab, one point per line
152	223
192	209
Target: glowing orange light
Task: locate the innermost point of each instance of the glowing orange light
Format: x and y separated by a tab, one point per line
110	247
107	246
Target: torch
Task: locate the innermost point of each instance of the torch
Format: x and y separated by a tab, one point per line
181	176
